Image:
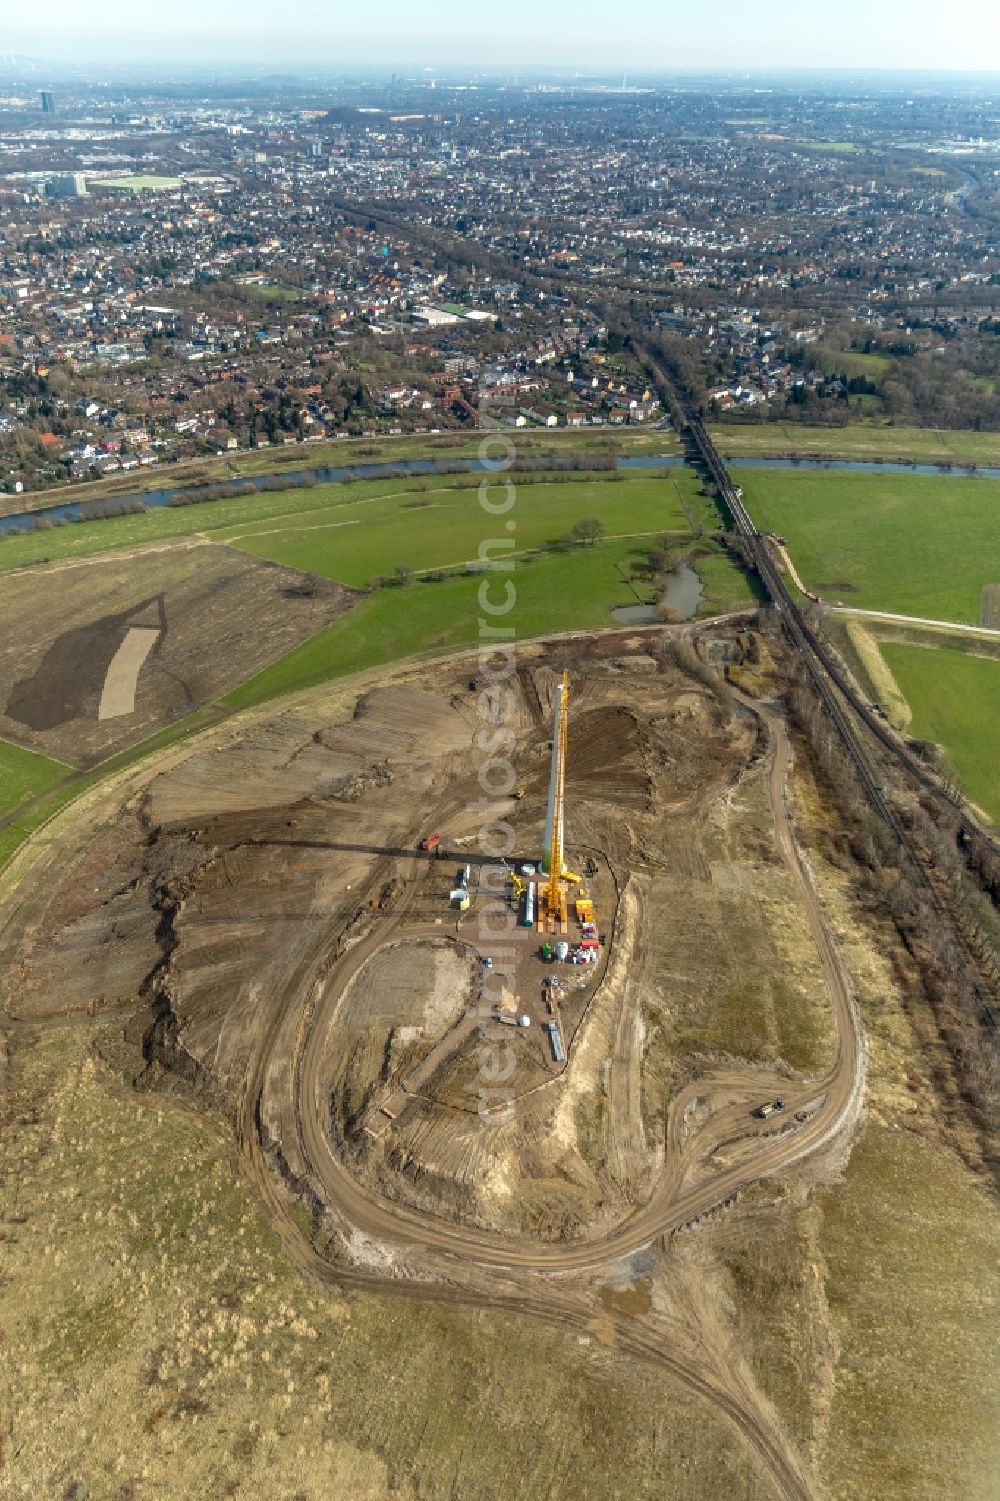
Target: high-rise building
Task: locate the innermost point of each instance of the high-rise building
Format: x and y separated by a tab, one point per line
48	102
67	185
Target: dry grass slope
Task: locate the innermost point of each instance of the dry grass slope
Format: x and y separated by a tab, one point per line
159	1345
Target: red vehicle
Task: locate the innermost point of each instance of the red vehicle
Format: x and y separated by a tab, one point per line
431	842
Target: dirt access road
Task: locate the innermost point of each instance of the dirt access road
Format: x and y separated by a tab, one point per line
831	1104
688	1186
559	1283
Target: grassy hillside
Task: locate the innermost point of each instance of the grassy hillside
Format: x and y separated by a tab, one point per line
555	592
23	774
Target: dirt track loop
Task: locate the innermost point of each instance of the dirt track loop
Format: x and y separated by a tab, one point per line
836	1099
418	1255
684	1192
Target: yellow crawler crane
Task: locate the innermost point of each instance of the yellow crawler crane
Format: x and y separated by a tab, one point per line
554	903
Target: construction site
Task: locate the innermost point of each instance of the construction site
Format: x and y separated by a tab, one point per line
493	1039
538	1050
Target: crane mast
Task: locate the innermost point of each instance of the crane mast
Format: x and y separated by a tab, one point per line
553	860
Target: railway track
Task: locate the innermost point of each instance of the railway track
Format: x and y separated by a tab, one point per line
836	688
823	665
816	659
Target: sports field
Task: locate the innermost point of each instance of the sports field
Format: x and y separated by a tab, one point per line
955	699
920	545
849	362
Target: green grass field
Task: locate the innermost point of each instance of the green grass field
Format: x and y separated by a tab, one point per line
867	441
267	292
955	699
639	501
361	536
24	774
919	545
832	148
554	592
848	362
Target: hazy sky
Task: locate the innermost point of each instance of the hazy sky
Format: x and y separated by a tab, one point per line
650	34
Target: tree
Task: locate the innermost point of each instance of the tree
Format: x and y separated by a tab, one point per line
588	530
404	573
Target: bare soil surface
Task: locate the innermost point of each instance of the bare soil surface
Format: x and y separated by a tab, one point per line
287	961
96	656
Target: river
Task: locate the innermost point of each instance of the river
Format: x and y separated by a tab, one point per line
89	510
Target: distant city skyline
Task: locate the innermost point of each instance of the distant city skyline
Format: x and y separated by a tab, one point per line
649	35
